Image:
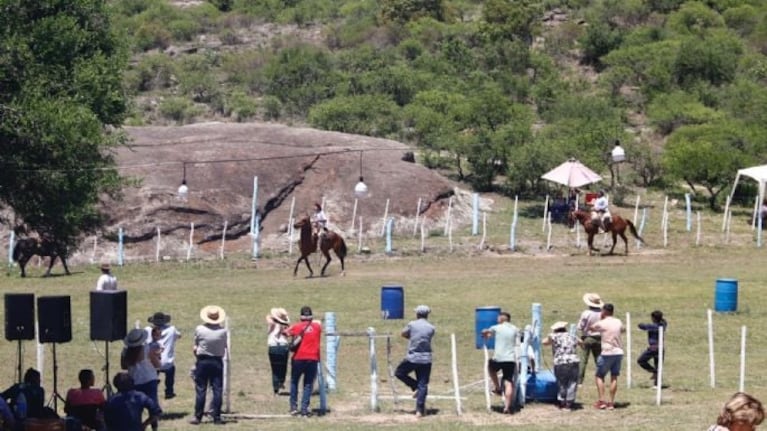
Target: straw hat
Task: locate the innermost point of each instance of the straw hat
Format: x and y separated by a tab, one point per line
558	326
136	337
279	315
106	266
593	300
213	314
422	310
159	319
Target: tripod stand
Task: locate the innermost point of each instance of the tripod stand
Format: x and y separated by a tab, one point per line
107	388
55	397
19	362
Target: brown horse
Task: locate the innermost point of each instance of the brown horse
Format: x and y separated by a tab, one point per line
25	248
617	226
308	243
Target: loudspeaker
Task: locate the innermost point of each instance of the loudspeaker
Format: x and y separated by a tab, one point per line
109	314
19	316
54	319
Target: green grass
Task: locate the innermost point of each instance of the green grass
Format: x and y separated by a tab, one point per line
679	280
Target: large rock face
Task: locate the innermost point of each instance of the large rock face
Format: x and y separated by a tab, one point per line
304	164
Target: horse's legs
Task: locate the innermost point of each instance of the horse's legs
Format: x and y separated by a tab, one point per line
327	262
341	258
625	242
309	267
23	263
64	262
50	265
615	239
298	262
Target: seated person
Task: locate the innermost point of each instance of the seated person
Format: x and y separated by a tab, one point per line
34	396
123	411
7	421
86	403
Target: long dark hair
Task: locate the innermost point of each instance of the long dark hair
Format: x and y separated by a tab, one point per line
657	317
134	355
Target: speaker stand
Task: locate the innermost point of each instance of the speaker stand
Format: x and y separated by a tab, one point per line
55	397
107	389
18	362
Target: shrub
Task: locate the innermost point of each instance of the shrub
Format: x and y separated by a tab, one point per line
154	72
372	115
151	35
272	108
179	109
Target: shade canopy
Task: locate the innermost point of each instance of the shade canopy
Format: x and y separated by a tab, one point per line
572	173
758	173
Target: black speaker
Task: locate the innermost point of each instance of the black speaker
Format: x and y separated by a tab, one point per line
54	319
19	316
109	314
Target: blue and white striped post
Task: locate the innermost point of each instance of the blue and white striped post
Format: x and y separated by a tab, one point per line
389	228
331	349
254	218
523	365
120	248
257	236
474	214
513	229
536	335
688	204
323	389
11	243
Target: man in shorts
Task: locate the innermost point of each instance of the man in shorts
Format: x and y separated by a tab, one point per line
504	358
609	361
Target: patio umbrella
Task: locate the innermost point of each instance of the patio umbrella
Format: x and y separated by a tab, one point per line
572	173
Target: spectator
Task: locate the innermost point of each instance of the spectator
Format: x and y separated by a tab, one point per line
504	358
7	421
652	353
305	360
168	336
592	340
124	410
141	364
742	412
612	354
563	346
106	280
85	403
276	322
210	341
33	396
419	332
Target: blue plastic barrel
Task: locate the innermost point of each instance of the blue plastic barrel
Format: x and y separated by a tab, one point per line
485	317
542	386
726	295
392	302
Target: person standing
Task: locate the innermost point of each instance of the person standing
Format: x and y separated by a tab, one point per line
419	332
563	347
612	354
504	358
306	359
106	280
141	364
592	341
169	334
210	341
276	322
123	410
652	351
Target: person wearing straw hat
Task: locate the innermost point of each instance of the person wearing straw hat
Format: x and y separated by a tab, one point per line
141	364
276	322
168	336
419	333
306	359
106	280
592	341
504	358
210	341
741	412
563	348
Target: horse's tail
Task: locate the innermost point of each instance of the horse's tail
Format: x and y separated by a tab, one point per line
342	248
634	231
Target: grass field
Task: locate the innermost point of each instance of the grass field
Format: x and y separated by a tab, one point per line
679	280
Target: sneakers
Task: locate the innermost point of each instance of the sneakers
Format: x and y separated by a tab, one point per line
610	406
306	414
601	405
194	421
294	412
419	414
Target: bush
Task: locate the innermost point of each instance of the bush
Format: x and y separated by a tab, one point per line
179	109
372	115
151	35
154	72
242	106
272	108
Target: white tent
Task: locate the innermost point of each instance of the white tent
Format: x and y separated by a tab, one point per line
758	173
572	173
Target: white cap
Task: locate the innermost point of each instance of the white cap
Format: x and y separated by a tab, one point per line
422	310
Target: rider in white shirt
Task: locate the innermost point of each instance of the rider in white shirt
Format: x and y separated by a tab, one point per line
320	221
600	212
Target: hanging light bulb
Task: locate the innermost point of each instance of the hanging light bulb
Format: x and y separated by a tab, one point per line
183	189
618	153
361	189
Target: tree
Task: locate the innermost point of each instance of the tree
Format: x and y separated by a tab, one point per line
62	97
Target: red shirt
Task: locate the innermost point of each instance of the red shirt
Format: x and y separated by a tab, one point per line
85	397
309	350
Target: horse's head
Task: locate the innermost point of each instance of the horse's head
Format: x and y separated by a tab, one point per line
303	221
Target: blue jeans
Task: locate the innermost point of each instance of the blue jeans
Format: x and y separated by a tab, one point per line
278	359
299	368
208	371
149	389
170	380
420	383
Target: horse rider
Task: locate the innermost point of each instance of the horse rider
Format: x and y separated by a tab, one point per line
600	212
320	221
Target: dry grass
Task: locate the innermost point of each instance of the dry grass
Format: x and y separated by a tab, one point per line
679	280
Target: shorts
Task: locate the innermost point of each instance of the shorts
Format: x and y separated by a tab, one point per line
509	369
609	364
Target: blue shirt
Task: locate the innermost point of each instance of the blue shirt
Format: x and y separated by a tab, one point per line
5	412
419	332
652	331
123	411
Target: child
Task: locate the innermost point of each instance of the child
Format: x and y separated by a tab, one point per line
651	353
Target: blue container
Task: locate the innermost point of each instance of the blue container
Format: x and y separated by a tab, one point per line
485	317
726	295
392	302
541	386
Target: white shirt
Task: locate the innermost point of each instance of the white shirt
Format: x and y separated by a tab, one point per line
600	204
320	218
167	341
106	282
